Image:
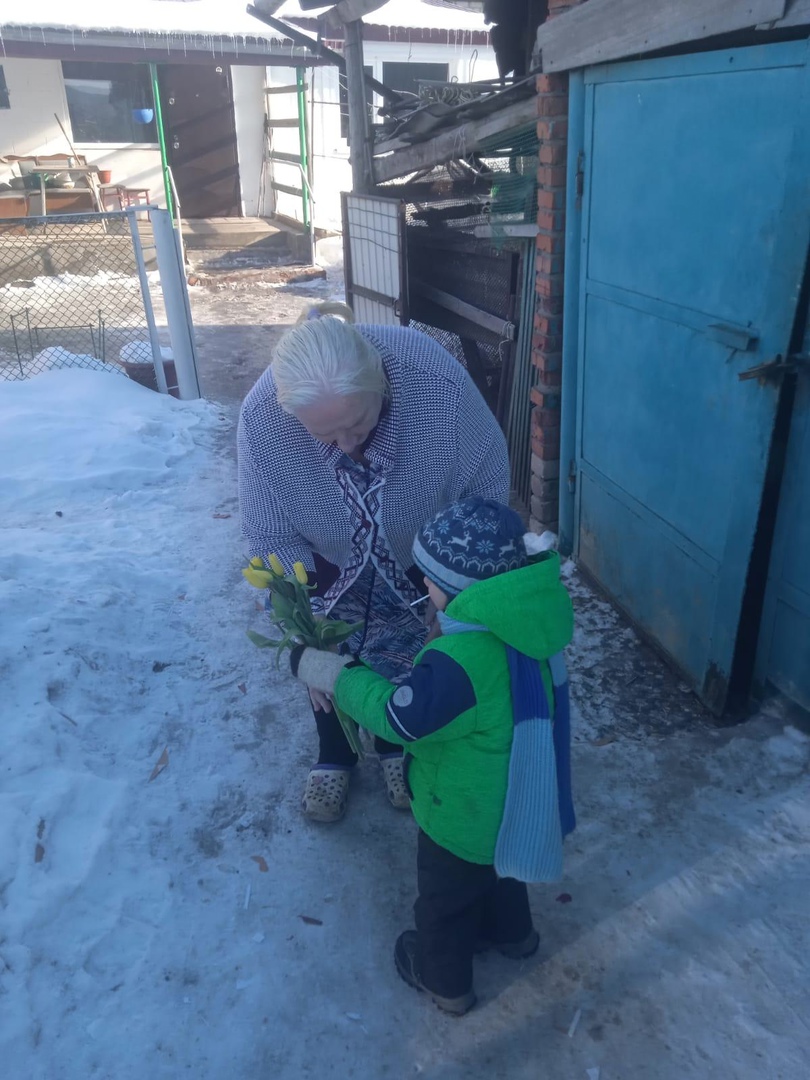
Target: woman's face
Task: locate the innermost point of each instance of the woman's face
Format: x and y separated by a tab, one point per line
345	421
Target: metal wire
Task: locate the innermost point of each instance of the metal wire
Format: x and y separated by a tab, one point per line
70	295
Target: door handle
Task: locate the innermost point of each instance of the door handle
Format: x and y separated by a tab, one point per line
776	368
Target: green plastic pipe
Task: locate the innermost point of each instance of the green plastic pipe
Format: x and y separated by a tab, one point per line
164	160
302	140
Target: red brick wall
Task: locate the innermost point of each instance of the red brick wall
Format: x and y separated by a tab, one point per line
552	129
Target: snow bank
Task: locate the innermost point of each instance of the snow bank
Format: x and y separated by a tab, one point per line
195	925
76	436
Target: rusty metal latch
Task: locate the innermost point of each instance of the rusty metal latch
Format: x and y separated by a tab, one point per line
776	368
580	177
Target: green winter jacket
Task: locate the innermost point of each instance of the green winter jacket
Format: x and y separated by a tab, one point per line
454	712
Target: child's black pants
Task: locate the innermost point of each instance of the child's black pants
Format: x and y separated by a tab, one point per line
459	905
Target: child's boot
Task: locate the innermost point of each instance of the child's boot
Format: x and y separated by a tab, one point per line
405	960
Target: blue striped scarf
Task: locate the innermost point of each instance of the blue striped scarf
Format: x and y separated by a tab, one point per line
539	810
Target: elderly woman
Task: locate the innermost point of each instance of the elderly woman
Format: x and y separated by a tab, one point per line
352	439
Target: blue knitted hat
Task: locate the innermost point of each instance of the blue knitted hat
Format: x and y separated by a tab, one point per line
471	540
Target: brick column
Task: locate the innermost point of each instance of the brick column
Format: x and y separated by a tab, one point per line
552	130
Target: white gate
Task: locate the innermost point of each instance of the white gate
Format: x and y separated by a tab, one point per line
374	259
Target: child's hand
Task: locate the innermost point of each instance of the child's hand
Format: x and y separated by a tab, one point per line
320	701
320	670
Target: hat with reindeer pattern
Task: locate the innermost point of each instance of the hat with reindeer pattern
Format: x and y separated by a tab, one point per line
471	540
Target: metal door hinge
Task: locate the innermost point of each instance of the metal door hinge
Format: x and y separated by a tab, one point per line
572	478
776	368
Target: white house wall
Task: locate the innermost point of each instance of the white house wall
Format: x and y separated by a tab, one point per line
331	169
37	95
248	107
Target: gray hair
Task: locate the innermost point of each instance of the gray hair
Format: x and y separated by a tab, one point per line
325	357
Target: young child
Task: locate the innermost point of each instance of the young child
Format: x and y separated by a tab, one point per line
486	765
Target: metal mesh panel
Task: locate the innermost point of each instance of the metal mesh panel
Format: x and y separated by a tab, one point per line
484	363
70	295
470	247
372	238
496	186
478	275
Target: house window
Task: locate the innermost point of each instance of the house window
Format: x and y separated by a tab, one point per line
4	102
104	99
343	92
406	76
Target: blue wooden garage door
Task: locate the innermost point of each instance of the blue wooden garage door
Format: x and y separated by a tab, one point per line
695	228
784	651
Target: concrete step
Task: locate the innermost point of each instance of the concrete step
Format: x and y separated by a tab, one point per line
258	238
233	233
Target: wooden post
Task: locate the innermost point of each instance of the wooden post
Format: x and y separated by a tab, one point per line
359	134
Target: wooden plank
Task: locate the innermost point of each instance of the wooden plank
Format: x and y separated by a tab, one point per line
603	30
797	14
359	127
483	232
279	155
287	189
304	40
425	191
282	123
291	89
455	142
505	329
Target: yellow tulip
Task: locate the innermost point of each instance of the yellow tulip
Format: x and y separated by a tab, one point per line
300	572
259	579
257	563
275	565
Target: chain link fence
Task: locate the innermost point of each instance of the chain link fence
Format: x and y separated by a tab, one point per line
73	293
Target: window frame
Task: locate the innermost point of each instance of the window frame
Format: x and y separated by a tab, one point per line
415	64
78	138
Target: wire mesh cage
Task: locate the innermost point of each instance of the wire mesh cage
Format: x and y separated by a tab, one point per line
470	256
496	187
71	295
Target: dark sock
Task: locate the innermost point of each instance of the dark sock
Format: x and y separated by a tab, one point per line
332	746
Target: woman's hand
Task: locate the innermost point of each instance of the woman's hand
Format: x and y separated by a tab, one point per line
320	700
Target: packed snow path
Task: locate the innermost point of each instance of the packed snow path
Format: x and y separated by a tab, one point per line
195	925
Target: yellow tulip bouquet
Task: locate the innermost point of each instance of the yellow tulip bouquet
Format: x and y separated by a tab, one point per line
293	615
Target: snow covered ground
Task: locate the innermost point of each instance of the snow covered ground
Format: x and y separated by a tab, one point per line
193	924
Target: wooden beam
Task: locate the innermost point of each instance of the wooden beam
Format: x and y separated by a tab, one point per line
797	14
455	142
425	191
291	89
349	10
286	188
279	155
359	127
484	232
505	329
602	30
304	40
